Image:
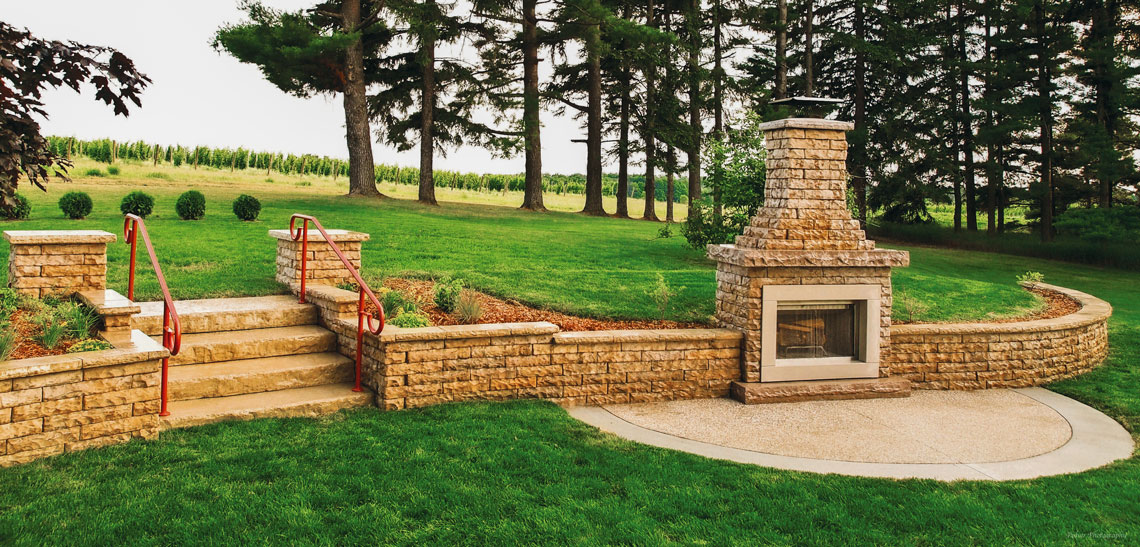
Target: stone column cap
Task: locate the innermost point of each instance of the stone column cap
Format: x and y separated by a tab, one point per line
56	237
314	235
807	123
765	258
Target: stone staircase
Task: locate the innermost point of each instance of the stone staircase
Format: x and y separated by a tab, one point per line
245	358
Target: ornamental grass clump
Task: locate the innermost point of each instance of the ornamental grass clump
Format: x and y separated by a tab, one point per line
137	203
191	205
468	309
76	205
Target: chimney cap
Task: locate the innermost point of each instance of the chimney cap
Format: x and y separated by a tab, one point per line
815	107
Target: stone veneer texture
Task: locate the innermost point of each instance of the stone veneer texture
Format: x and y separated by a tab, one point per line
997	355
64	403
323	266
57	262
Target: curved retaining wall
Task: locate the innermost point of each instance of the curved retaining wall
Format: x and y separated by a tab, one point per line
995	355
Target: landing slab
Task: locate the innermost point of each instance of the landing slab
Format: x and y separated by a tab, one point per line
943	435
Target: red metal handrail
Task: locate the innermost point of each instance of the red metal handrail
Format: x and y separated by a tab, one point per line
133	225
302	234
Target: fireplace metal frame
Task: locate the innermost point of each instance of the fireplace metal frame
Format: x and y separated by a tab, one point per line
865	363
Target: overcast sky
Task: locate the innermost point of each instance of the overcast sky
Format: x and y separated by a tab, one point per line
202	97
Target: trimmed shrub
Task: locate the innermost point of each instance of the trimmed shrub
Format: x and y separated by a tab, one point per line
191	205
247	207
76	205
94	173
112	170
137	203
20	211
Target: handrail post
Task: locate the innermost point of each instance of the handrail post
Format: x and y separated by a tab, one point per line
304	254
167	335
131	227
359	339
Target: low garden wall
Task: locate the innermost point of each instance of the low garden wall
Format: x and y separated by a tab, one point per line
997	355
64	403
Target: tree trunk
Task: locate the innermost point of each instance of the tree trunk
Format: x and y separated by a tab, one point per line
670	191
622	193
358	134
532	126
809	76
1044	93
649	130
967	124
718	100
427	132
1103	34
695	131
781	50
991	152
859	142
594	122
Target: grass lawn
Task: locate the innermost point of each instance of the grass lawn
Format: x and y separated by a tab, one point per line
525	471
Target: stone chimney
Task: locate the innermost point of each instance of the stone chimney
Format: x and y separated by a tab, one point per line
803	247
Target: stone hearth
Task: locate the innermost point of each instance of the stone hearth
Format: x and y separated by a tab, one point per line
804	250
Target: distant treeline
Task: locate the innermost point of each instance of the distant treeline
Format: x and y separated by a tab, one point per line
109	151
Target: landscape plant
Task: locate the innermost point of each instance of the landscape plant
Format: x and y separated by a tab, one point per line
468	309
7	340
20	209
191	205
112	170
76	205
90	344
93	172
662	293
137	203
51	329
447	291
79	320
247	208
406	319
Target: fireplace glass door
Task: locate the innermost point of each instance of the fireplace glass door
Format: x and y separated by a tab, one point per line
816	330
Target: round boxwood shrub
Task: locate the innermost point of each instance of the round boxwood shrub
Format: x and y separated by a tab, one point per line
76	205
247	207
19	211
137	203
191	205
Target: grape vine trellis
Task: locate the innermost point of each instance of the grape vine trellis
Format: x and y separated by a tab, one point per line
110	151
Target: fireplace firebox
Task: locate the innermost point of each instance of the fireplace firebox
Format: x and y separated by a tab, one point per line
812	332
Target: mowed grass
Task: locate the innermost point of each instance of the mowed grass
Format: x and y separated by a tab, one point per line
525	472
599	267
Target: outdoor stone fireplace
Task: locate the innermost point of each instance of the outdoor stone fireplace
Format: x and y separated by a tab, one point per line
810	292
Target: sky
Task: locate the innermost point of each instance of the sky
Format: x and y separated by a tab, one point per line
202	97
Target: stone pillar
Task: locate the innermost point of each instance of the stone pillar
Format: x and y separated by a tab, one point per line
323	266
57	262
802	235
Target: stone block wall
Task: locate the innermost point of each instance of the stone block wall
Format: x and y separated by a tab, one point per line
57	262
50	405
324	267
998	355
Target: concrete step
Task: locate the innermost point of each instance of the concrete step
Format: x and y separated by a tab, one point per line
259	375
228	314
756	393
305	401
216	347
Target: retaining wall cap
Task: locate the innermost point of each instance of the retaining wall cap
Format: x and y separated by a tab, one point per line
1093	310
57	237
807	123
314	235
108	302
140	348
764	258
452	332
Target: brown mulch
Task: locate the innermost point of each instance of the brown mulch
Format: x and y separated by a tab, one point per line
496	310
26	347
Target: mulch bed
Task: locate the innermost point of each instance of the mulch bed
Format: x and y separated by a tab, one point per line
496	310
25	346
